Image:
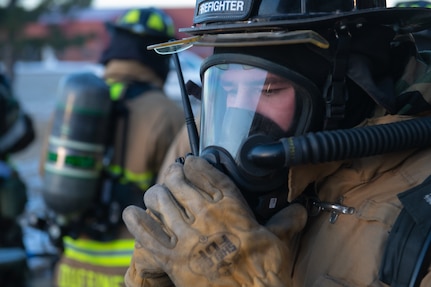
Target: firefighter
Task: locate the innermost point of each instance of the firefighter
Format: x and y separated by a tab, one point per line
313	166
16	134
123	122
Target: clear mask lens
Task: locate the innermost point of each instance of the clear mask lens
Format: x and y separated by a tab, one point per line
241	100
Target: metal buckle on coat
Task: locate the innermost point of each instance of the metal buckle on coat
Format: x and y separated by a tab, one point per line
334	208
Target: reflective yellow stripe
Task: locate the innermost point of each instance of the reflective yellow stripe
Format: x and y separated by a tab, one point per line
131	17
116	90
115	253
69	276
143	180
155	21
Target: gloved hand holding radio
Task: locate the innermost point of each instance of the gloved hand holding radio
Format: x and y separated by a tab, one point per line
199	230
144	271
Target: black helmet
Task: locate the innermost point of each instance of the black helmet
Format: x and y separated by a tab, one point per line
146	22
133	32
313	61
327	25
213	16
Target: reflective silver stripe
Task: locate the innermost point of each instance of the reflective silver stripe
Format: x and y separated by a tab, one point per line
303	6
73	172
14	133
82	146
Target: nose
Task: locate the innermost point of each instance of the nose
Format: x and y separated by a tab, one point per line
242	97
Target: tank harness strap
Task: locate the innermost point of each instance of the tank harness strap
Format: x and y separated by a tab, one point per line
120	94
129	90
407	255
105	215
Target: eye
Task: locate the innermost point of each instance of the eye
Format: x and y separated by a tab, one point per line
272	89
268	90
276	88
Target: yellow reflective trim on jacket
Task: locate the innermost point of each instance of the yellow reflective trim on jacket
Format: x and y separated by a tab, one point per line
69	276
131	17
143	180
116	253
116	90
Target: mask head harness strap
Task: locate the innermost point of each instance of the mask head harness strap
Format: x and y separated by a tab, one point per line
335	92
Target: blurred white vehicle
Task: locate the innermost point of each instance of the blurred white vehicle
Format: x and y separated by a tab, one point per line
36	82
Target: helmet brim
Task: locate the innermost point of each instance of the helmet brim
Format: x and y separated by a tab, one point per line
403	20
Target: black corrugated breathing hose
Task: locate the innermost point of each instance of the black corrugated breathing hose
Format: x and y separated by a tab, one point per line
335	145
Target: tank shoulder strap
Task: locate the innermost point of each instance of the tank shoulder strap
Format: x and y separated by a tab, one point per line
136	89
407	254
120	93
106	212
123	91
102	219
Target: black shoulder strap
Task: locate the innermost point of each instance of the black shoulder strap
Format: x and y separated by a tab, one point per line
407	254
135	89
106	214
132	89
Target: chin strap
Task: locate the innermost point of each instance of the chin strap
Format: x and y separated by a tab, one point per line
335	93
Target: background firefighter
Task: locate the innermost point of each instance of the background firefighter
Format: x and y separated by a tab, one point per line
128	124
16	134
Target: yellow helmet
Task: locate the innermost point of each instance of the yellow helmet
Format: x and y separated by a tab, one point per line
147	22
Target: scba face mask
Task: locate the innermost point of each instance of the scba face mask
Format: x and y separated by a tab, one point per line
247	101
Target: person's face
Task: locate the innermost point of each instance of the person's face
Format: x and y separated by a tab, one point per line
239	101
265	93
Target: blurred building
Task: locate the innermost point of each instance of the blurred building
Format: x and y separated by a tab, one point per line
89	24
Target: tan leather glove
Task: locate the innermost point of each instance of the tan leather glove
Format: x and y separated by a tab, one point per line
287	225
200	231
143	271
